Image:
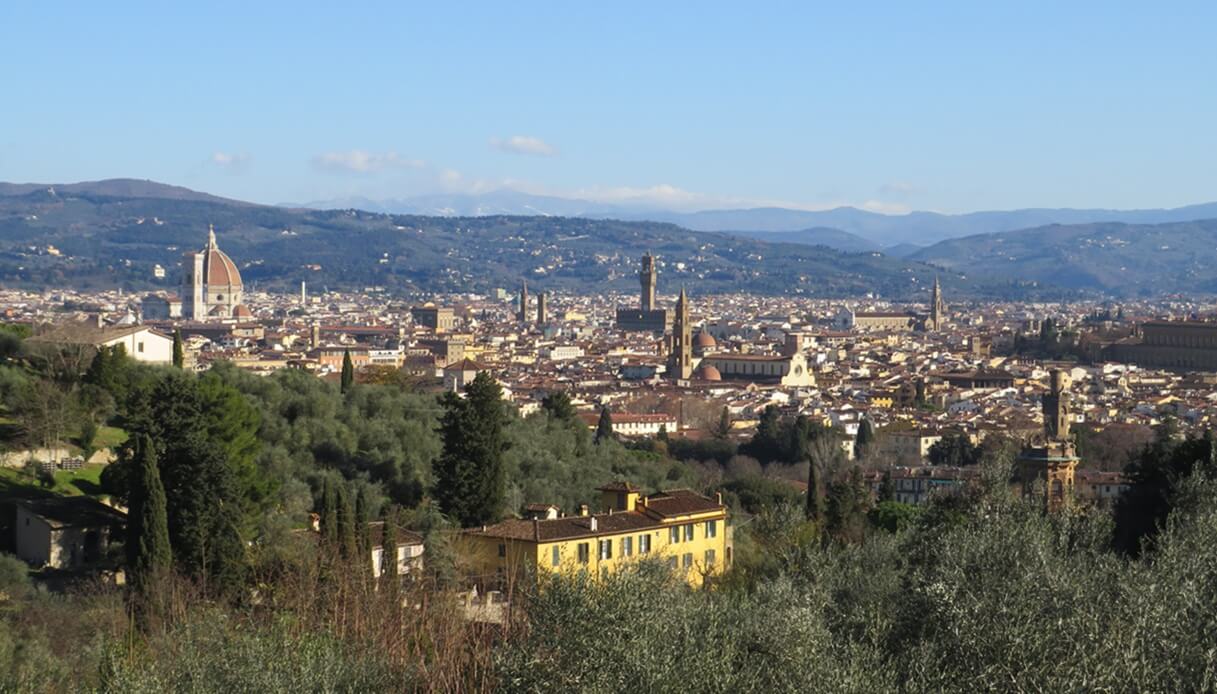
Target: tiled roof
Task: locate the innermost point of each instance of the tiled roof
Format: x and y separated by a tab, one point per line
678	502
657	507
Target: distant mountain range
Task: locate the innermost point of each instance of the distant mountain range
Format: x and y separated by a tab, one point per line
113	232
865	229
1115	258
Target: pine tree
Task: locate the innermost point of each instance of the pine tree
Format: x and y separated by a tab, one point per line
205	437
769	441
179	356
469	477
149	555
559	406
604	428
849	500
346	524
348	370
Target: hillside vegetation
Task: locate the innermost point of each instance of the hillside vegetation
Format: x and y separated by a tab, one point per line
1120	259
104	238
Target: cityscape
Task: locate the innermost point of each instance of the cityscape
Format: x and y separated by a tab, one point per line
515	428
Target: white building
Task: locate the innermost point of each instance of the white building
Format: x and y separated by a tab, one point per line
140	342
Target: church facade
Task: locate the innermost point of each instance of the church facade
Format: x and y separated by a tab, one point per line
211	285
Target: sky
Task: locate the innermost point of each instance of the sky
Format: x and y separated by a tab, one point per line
889	106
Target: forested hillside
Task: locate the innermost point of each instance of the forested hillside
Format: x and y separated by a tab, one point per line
105	239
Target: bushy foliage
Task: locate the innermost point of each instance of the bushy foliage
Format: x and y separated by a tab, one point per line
212	652
984	593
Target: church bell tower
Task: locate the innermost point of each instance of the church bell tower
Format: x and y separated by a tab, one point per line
1048	470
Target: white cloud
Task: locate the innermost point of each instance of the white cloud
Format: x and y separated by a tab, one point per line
361	161
883	207
232	161
896	189
524	144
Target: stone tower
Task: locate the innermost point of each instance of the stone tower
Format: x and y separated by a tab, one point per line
937	307
647	277
1048	470
542	318
522	314
680	358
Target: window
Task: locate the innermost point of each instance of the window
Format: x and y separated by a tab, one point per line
673	535
627	546
709	558
502	550
671	562
139	347
606	549
711	528
644	544
688	532
557	558
687	560
584	552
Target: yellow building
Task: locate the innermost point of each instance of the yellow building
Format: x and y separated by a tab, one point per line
683	527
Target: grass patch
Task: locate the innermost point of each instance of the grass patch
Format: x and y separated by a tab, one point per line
85	481
109	437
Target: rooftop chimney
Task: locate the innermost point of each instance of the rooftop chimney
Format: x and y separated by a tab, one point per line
582	509
593	524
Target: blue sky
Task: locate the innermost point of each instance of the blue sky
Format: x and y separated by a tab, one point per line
893	106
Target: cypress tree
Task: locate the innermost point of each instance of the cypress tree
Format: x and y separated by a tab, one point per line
815	501
388	545
604	428
346	524
179	356
329	514
348	370
723	430
887	488
148	552
864	439
362	518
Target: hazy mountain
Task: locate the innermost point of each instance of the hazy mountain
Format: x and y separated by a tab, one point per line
882	230
104	240
820	236
113	187
1116	258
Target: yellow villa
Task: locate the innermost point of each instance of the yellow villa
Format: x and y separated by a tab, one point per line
687	529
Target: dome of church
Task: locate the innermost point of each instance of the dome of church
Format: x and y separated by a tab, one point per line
704	340
218	268
709	373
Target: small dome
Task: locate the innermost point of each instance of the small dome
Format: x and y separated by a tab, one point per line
704	340
242	312
709	373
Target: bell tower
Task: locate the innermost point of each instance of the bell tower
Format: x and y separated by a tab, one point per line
937	306
680	358
646	277
1048	470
